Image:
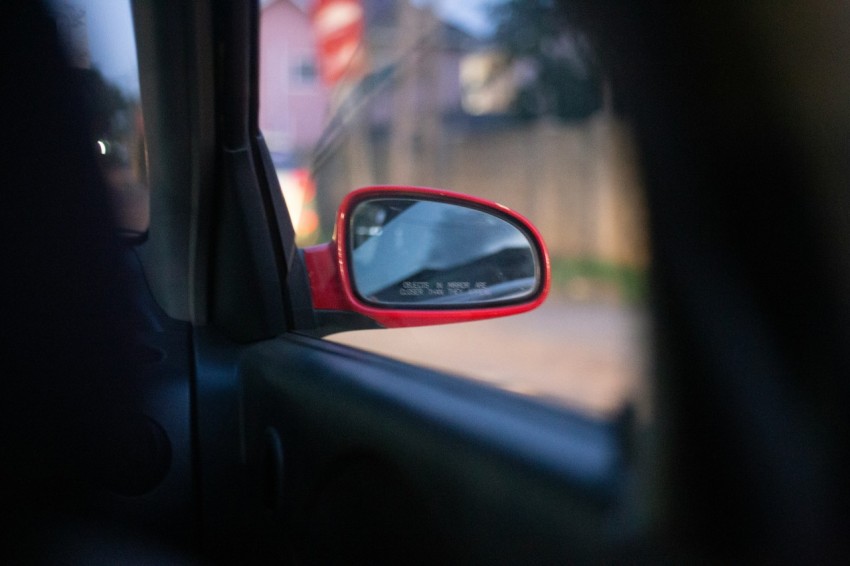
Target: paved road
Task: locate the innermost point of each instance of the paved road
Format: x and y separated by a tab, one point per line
588	356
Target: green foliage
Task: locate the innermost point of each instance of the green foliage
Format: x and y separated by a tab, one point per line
591	278
565	80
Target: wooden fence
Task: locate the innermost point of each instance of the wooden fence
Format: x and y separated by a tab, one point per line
579	184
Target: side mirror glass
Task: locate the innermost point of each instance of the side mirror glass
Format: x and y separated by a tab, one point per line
415	253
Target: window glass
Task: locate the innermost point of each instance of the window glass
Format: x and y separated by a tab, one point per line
100	43
500	99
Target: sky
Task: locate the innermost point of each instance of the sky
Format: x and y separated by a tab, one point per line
472	15
111	42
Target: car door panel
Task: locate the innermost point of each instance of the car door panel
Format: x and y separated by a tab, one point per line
478	469
150	482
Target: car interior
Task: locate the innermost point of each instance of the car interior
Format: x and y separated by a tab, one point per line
167	398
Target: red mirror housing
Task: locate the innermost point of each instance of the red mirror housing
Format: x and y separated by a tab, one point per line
412	256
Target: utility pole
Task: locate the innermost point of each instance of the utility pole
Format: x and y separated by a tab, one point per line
415	112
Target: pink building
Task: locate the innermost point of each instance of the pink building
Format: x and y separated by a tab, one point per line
293	100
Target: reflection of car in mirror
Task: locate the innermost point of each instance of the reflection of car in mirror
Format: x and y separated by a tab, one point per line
409	251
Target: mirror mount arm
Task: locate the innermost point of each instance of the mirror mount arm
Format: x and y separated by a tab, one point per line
325	279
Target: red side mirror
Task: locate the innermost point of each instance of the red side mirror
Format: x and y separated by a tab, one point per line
409	256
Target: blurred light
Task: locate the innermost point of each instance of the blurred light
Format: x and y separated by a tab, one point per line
488	84
103	146
299	192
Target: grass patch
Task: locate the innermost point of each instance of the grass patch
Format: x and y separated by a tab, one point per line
592	278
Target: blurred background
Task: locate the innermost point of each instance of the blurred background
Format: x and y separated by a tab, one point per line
502	99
